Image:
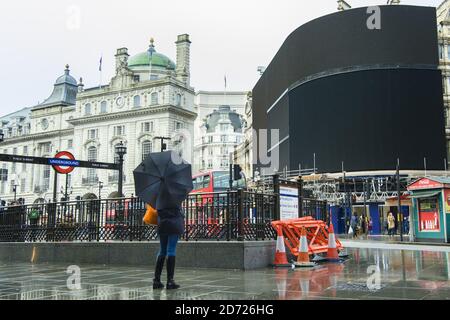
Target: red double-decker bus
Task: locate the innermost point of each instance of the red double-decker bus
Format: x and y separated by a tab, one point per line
211	181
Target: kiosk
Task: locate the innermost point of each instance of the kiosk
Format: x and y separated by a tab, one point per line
431	208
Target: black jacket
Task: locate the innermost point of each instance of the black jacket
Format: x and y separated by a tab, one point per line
171	221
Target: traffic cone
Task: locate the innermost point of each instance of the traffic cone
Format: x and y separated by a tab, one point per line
303	254
280	254
332	254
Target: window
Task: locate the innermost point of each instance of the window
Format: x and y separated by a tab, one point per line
25	150
92	134
119	130
224	163
23	185
223	127
87	109
14	150
137	78
154	98
178	125
147	127
448	52
46	147
178	100
441	51
4	173
92	156
24	167
103	107
46	184
137	101
146	149
210	139
69	144
223	150
210	151
210	164
223	138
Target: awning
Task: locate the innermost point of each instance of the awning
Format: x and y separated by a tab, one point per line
425	194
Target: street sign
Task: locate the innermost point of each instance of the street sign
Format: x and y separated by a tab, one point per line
64	162
288	203
59	162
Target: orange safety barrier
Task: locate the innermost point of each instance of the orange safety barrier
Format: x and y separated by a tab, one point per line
317	233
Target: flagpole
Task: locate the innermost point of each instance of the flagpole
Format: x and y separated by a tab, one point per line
225	92
101	70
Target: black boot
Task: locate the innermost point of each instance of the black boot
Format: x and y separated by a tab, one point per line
170	274
157	284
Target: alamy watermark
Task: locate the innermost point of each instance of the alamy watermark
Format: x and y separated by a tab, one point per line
374	280
74	280
374	20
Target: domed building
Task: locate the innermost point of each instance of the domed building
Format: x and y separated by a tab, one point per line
221	132
149	97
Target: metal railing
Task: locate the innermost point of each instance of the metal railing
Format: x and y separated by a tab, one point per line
233	215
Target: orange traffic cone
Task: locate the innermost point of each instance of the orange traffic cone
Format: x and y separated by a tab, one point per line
303	254
280	254
332	254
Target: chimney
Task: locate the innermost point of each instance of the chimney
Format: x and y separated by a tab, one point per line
183	58
121	59
342	5
80	85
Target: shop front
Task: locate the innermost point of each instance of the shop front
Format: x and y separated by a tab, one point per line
431	209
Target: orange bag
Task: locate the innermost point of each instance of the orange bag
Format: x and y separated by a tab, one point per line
151	216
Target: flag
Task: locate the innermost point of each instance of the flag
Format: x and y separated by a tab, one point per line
225	79
100	65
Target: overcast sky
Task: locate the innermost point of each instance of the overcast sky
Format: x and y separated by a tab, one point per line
230	37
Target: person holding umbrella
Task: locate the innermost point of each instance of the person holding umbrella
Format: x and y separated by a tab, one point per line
163	180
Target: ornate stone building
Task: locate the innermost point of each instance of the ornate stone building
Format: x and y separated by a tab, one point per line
149	96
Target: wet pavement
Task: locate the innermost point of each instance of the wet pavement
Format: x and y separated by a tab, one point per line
403	274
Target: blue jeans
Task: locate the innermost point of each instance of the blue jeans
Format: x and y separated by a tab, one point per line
168	245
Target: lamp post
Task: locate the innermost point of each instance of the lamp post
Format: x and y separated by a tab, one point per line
163	145
100	187
121	151
15	191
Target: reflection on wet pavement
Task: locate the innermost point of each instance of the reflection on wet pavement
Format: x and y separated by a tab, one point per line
402	275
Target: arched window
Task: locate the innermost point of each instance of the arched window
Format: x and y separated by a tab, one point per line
137	101
146	148
154	98
103	107
92	156
87	109
178	100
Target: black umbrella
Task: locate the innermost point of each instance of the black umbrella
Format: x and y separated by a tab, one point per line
163	180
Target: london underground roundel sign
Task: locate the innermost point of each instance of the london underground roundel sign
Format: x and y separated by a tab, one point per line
64	162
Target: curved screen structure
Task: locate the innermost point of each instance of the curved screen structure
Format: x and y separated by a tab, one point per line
340	91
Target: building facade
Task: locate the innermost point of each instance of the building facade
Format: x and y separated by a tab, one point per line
149	96
219	128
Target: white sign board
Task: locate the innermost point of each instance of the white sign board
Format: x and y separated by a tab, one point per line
288	203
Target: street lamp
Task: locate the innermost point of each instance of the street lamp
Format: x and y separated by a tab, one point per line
15	191
121	151
163	145
100	187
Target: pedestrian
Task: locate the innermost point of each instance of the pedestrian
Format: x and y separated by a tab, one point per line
370	226
391	224
170	229
354	225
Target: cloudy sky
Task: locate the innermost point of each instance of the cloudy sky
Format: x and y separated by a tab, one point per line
230	37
